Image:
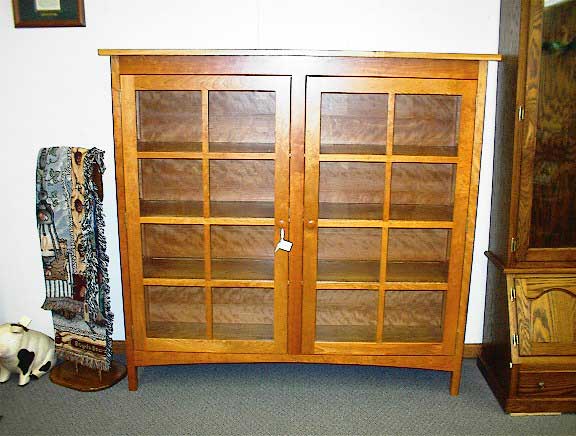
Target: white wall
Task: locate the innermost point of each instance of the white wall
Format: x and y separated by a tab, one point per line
56	91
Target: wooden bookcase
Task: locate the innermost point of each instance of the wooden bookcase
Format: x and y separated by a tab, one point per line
368	162
529	352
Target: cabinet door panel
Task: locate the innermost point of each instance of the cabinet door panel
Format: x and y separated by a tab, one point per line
547	198
546	313
388	164
206	181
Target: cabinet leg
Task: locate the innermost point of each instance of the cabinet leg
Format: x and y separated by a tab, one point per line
132	377
455	381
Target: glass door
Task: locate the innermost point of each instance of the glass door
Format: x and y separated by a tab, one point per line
385	210
206	180
547	205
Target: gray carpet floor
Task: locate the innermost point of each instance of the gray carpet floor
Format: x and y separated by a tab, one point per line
256	399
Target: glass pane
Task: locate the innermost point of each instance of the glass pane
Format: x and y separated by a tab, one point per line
169	120
352	190
353	123
173	251
243	313
554	197
242	252
170	187
422	192
346	316
349	254
418	255
242	121
175	312
413	316
242	188
426	125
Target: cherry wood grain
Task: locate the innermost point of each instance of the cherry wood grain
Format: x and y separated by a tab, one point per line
313	53
367	169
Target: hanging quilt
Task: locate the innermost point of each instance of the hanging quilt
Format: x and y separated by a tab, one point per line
73	247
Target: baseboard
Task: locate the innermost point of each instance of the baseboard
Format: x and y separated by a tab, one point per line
471	351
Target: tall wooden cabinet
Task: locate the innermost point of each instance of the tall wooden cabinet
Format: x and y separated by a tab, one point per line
529	353
367	162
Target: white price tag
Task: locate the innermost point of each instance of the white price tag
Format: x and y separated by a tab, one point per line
283	244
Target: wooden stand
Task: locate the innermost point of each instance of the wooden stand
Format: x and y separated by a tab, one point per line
81	378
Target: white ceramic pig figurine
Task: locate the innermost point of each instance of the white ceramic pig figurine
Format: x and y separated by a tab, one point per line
25	352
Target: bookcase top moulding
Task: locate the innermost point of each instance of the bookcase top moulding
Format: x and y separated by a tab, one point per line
312	53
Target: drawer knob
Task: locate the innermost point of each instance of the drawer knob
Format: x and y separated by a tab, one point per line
311	224
541	385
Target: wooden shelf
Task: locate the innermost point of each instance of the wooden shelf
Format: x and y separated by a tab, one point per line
240	331
251	209
196	147
167	208
412	334
376	149
220	209
173	268
348	270
195	330
241	147
421	212
167	147
243	269
353	211
222	269
419	150
369	271
355	333
353	148
373	211
176	330
346	333
417	272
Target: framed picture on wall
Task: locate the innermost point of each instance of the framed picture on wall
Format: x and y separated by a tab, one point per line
48	13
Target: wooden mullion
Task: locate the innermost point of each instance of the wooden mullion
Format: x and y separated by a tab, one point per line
206	214
381	308
209	313
389	151
385	216
204	155
381	288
